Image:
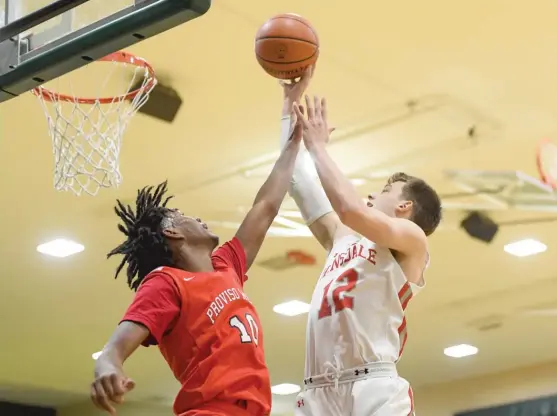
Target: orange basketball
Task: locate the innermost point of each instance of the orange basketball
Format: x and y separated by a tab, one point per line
285	45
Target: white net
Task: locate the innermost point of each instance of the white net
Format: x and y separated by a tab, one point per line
87	136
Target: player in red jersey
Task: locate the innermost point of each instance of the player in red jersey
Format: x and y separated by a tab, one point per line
190	302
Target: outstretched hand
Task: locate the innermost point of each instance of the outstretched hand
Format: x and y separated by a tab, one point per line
315	128
294	89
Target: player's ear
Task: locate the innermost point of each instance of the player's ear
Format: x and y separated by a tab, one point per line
172	233
404	207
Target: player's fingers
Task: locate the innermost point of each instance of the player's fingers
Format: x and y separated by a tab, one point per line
296	127
297	134
307	74
309	108
286	84
129	384
107	386
324	113
117	399
116	386
300	114
317	107
102	401
93	395
297	112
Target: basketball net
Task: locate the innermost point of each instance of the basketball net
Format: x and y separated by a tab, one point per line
87	133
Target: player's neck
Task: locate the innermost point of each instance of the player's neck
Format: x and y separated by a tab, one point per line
194	259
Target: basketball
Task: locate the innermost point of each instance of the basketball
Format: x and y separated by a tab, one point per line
285	45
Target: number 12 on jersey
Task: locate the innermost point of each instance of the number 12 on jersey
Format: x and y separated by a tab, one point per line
246	337
338	297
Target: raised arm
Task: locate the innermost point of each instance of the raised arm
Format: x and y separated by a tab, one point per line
304	187
396	233
268	200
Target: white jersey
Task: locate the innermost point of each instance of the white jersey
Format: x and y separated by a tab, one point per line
357	308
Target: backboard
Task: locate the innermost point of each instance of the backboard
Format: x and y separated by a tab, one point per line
41	40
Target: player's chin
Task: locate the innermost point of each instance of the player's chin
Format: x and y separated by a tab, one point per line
214	238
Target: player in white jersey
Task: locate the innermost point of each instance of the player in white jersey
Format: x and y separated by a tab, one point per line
377	256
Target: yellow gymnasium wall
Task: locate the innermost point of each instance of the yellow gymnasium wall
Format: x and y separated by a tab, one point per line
438	400
516	385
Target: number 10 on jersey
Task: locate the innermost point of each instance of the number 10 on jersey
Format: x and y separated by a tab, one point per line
338	297
246	337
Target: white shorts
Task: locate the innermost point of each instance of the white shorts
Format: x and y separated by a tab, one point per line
378	395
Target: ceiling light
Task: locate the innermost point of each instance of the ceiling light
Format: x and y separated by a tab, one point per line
357	181
285	389
459	351
526	247
96	355
60	248
291	308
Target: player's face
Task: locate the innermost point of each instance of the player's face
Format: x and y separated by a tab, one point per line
193	229
390	200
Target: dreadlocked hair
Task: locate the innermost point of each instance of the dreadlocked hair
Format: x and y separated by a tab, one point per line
145	247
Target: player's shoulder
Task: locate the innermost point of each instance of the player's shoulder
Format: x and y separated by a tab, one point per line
410	229
160	280
162	271
411	239
165	273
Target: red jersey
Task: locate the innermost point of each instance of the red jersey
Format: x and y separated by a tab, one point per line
208	331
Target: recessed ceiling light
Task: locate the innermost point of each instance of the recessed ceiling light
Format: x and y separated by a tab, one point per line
96	355
357	181
526	247
60	248
285	389
461	350
291	308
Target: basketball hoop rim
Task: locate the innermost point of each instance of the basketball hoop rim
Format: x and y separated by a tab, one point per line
120	57
545	176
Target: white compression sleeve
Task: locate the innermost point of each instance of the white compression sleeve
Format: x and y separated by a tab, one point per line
304	188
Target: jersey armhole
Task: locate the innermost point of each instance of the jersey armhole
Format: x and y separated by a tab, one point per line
417	287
